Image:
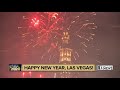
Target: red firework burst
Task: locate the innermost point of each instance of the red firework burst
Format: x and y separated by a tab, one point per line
44	27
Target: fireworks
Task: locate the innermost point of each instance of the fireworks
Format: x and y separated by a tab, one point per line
40	76
43	29
23	74
30	74
81	27
46	28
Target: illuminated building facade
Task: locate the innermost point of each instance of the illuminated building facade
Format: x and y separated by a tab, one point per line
65	55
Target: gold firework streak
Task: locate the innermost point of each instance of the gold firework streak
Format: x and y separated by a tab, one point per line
77	53
85	51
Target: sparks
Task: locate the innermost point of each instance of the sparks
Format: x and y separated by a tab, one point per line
85	51
77	53
84	44
44	30
74	57
35	22
99	61
40	75
23	74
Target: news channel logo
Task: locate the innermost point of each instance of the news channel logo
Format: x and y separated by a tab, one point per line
14	67
104	67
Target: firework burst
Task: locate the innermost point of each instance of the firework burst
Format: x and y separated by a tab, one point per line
42	28
46	28
81	27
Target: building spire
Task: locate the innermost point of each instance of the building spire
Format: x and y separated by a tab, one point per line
65	38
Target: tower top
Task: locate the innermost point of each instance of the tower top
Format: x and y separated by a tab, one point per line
65	37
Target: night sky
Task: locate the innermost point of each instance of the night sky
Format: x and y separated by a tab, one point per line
106	46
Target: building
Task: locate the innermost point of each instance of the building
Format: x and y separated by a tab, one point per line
65	55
